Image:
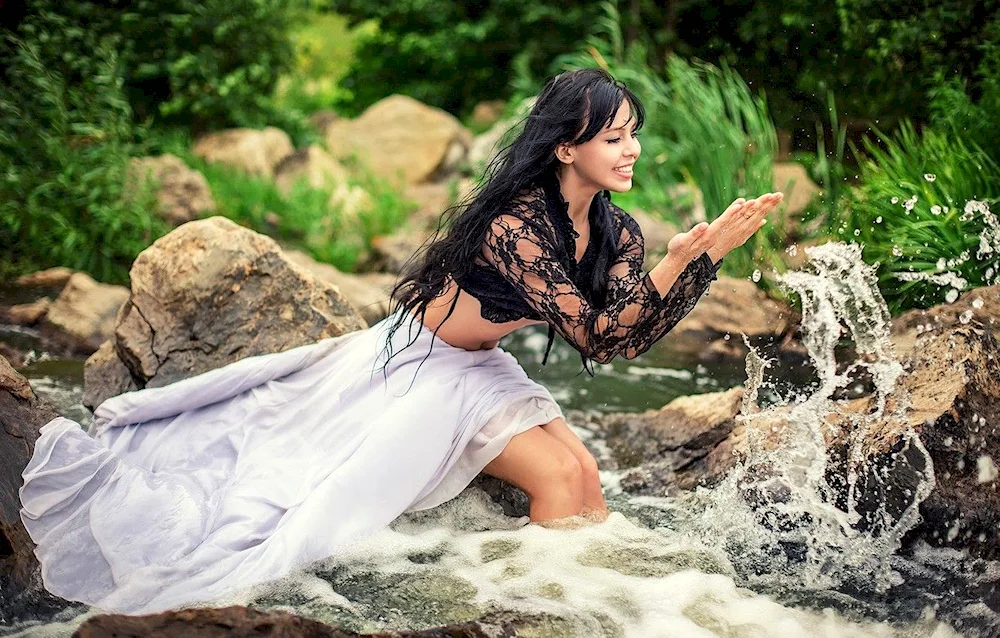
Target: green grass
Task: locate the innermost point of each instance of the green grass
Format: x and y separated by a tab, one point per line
910	214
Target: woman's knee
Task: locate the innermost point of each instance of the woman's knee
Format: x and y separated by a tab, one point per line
563	472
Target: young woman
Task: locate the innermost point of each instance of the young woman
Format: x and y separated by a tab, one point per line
241	474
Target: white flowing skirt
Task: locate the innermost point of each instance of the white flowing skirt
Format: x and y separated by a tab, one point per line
244	473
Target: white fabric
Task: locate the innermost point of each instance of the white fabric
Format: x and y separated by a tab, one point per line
241	474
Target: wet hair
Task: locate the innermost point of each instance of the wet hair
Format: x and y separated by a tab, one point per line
572	108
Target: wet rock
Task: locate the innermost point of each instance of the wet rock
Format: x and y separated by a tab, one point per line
208	294
512	500
21	415
369	293
978	307
235	622
49	278
83	316
13	356
433	199
256	152
401	137
313	166
182	193
954	407
28	314
732	307
104	375
672	448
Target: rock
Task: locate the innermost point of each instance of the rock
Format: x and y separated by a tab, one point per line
21	415
733	307
237	622
954	407
909	325
182	193
485	146
656	234
28	314
487	113
321	121
104	375
389	253
399	136
83	316
256	152
368	293
792	179
50	278
433	199
312	165
671	448
14	357
210	293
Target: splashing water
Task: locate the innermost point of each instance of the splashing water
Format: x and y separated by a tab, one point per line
800	518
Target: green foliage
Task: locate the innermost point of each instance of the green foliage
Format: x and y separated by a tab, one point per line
197	63
454	54
64	149
911	214
704	127
976	119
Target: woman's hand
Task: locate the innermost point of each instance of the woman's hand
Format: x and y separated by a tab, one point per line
684	247
735	226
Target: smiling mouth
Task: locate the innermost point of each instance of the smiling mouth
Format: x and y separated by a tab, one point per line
624	170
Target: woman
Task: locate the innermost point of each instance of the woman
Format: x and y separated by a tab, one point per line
241	474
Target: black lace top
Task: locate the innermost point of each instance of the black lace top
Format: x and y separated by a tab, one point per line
529	270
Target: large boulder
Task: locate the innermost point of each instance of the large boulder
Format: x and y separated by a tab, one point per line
674	447
399	136
255	152
241	622
21	415
182	193
369	293
205	295
390	253
733	307
83	316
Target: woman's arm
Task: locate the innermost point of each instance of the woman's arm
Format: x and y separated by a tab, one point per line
635	314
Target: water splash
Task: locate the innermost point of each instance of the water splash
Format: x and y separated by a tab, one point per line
815	523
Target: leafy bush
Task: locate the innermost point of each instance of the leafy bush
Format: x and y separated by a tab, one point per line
197	63
64	149
455	54
704	127
912	214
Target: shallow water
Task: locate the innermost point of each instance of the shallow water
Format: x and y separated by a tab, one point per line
696	565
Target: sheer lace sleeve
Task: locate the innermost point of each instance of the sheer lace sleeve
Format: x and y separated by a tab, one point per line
520	245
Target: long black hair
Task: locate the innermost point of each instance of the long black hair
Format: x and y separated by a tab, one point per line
572	109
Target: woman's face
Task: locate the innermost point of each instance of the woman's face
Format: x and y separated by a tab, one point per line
606	161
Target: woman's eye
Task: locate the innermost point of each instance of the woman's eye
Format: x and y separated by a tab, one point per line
614	140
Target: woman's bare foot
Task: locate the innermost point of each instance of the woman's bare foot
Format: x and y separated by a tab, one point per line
595	515
568	522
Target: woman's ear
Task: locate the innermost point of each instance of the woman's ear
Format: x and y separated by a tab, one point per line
564	153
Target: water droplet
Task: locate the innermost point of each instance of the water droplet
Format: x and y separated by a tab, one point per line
897	251
726	336
935	209
878	220
857	232
941	264
792	250
894	200
965	317
987	469
910	203
755	276
930	177
977	303
951	296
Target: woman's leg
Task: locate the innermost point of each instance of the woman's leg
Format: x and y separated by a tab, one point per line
593	494
546	470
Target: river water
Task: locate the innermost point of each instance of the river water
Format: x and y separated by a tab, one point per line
704	564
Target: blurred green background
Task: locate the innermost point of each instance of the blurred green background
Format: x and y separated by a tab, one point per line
880	102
